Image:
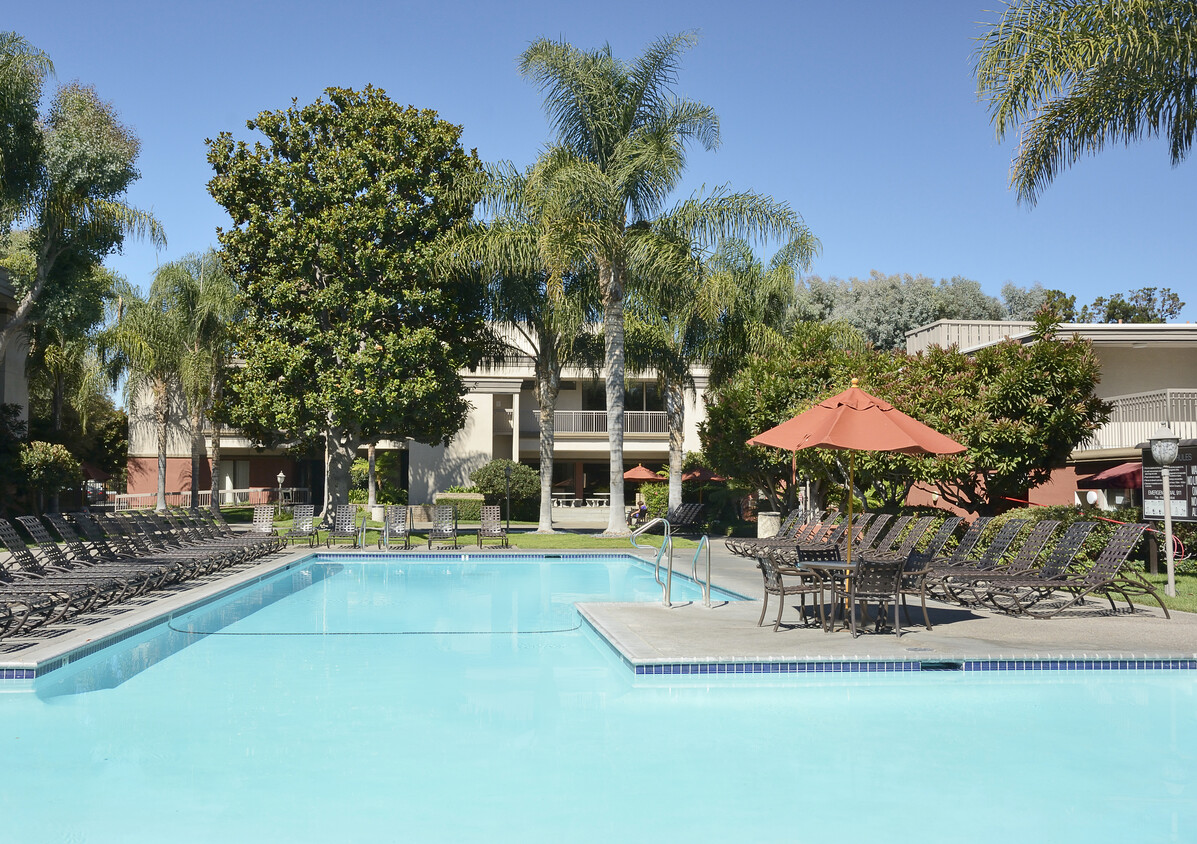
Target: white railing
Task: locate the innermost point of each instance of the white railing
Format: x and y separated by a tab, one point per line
228	497
595	422
1136	417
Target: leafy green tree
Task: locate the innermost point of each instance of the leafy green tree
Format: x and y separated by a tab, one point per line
622	135
545	315
1147	304
23	69
204	302
1020	409
12	435
349	334
1021	303
1071	76
49	468
884	307
77	213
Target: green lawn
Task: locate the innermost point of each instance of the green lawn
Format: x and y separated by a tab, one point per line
1186	591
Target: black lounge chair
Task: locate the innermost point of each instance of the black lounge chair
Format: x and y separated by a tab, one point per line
492	526
396	527
444	525
685	517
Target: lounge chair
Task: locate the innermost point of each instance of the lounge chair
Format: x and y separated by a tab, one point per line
396	526
344	525
492	526
444	525
303	525
1107	577
886	542
963	588
684	517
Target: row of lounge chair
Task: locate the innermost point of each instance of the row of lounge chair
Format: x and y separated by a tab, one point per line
1028	581
100	559
396	530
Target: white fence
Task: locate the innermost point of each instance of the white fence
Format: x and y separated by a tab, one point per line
228	497
595	422
1136	416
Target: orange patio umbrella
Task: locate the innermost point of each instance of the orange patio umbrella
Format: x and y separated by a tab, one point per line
856	421
641	474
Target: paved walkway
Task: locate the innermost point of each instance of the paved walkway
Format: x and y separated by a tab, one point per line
651	634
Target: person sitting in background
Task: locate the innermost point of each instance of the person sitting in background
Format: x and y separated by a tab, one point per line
638	515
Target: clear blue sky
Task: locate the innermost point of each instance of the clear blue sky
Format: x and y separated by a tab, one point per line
862	115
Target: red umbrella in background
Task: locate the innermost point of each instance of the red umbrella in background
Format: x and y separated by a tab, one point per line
641	474
702	473
856	421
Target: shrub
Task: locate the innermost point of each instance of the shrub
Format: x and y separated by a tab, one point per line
656	496
491	481
49	467
469	508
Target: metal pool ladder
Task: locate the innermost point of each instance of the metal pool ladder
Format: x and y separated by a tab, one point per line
704	543
667	545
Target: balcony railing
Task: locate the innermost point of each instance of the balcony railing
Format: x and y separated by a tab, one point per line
635	422
1136	417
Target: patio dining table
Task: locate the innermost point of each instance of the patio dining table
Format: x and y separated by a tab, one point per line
841	570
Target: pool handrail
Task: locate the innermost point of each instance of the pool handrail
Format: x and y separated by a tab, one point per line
667	584
703	542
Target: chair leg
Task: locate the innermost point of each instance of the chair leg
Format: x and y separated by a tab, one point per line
926	618
764	606
781	607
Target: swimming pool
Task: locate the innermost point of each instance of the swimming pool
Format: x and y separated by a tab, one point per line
349	701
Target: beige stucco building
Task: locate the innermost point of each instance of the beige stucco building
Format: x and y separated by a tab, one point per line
1148	374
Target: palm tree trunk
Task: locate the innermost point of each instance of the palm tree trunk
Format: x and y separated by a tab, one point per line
548	384
161	412
197	452
675	417
611	285
215	502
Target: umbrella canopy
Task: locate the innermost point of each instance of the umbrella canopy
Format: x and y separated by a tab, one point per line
1123	476
641	474
857	421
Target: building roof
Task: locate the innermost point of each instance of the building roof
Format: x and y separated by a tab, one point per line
970	335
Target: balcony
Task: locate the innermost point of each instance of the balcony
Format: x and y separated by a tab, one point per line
637	423
1136	417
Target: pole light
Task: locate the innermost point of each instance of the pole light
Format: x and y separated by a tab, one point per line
507	474
280	477
1165	446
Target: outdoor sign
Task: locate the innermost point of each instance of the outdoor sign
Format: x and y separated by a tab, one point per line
1182	481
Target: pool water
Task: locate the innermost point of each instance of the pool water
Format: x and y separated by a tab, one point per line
346	702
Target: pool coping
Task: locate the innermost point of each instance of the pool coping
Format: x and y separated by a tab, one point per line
609	621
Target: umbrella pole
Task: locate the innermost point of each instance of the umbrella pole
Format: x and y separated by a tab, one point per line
851	486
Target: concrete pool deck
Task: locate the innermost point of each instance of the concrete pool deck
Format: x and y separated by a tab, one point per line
648	635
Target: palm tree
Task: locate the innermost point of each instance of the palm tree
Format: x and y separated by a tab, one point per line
539	313
620	151
148	340
728	306
1074	75
203	299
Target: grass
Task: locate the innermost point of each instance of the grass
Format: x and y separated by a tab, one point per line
1186	591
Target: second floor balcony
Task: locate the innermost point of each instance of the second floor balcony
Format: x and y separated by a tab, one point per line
636	423
1136	416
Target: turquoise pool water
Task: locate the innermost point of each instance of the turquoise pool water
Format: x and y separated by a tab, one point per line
369	702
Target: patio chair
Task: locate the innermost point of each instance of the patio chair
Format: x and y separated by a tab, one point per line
868	537
872	581
492	526
1059	560
107	586
1107	577
396	526
931	555
886	542
684	517
24	575
344	525
303	525
915	535
947	529
444	525
781	579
